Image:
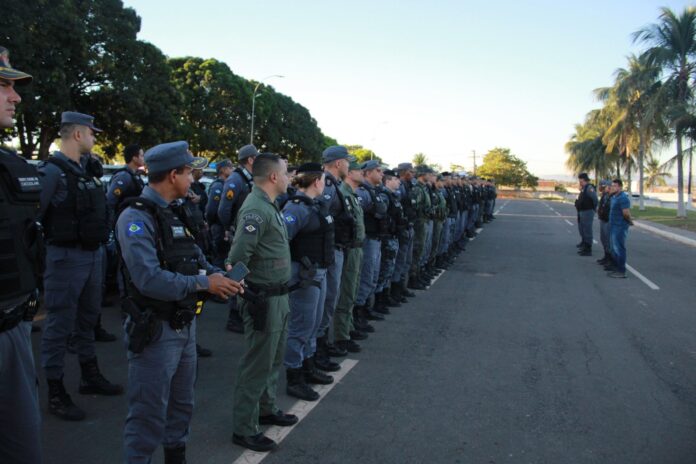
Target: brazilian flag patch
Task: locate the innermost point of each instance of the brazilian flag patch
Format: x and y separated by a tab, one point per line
135	228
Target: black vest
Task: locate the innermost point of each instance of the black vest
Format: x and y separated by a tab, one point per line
376	225
395	212
584	202
604	207
176	250
20	235
249	181
315	242
81	217
345	228
409	202
136	188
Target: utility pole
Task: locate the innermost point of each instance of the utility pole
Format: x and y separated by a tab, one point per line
474	157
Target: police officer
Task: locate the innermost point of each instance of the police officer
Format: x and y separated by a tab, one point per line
220	246
311	234
586	204
402	264
375	209
421	201
261	243
125	182
163	272
336	161
73	211
20	419
603	215
349	325
235	190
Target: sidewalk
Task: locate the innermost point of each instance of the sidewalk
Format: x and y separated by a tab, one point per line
684	237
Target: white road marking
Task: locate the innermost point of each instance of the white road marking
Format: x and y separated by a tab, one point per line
594	241
535	215
569	223
557	213
300	409
478	231
645	280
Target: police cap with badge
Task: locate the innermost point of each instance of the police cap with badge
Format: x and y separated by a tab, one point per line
173	155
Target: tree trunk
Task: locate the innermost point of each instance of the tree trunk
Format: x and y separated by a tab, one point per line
628	172
27	143
681	211
641	173
618	168
46	138
689	195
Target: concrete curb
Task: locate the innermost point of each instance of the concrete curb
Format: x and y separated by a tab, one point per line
669	235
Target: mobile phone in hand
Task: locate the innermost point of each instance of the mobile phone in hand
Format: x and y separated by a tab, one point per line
238	272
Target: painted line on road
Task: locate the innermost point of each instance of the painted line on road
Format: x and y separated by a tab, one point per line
478	231
594	241
301	409
534	215
569	223
645	280
557	213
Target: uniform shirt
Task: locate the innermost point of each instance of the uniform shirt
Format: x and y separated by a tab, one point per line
135	232
618	204
358	214
329	197
214	196
234	190
121	188
54	183
422	201
299	216
587	198
261	241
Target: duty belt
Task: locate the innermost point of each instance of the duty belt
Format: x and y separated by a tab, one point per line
269	290
22	312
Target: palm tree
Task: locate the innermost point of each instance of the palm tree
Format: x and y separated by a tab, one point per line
586	149
419	159
672	47
655	173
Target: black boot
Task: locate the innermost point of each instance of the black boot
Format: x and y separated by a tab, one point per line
312	375
372	315
415	283
380	303
360	320
405	292
296	386
392	299
234	321
175	455
321	357
203	352
93	382
356	335
349	345
101	335
60	404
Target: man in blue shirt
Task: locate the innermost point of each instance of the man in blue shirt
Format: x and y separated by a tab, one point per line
619	221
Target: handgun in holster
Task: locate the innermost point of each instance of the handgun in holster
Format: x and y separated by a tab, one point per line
257	306
139	327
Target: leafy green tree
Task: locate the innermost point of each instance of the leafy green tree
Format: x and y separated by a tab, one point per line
586	148
362	154
506	169
420	159
655	173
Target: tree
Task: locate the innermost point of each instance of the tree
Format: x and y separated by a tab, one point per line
420	159
506	169
586	148
672	47
362	154
655	173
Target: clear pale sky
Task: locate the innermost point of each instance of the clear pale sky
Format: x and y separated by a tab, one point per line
439	77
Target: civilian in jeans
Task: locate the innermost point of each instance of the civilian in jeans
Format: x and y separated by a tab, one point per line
619	220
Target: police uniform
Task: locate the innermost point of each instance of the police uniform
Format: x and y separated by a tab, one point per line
311	234
161	267
405	254
586	204
219	246
346	317
261	243
73	212
603	215
429	228
421	202
125	183
375	210
392	237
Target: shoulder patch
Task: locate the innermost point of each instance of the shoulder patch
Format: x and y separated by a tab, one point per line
117	192
250	229
216	198
289	218
135	228
230	193
252	217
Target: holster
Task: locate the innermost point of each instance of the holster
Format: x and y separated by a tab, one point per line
257	306
142	326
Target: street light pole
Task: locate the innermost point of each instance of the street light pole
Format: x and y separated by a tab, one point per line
253	104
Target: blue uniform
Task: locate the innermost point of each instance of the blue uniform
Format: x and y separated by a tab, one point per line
72	283
161	377
124	184
307	302
217	232
371	246
237	186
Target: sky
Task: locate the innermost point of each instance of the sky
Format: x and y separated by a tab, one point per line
445	78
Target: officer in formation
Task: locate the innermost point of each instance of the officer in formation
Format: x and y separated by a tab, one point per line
234	191
261	243
586	204
20	189
603	208
311	234
220	245
402	264
164	271
73	212
125	182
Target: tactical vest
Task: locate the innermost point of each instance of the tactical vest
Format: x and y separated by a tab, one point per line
395	212
345	230
317	241
20	234
176	250
137	185
249	182
81	217
410	202
375	227
584	202
604	207
452	202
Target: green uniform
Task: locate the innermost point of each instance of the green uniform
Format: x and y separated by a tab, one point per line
261	242
422	206
440	210
350	277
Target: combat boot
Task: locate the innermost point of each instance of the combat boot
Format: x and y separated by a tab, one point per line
321	357
296	386
360	321
396	293
60	404
380	303
390	298
372	315
175	455
415	283
349	345
101	335
405	292
312	375
356	335
92	382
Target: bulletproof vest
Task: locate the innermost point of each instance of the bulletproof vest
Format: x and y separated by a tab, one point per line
410	202
452	202
316	241
194	213
249	182
396	214
20	234
584	201
345	229
376	219
604	207
434	202
176	250
136	187
81	217
213	217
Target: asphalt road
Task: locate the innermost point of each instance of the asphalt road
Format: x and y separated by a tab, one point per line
522	352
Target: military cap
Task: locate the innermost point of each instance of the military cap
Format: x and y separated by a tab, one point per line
423	169
10	73
310	167
404	167
370	164
225	163
445	174
72	117
336	152
172	155
247	151
354	166
390	173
